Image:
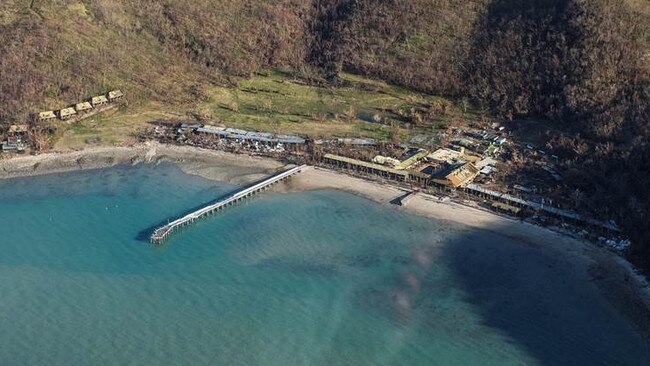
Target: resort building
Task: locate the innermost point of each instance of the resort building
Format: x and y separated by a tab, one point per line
242	135
17	130
115	95
449	156
83	107
512	201
459	177
46	116
99	100
376	169
67	113
385	160
412	160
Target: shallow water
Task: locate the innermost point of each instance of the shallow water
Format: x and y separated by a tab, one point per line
317	278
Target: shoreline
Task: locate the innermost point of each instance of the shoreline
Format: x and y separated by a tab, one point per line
618	281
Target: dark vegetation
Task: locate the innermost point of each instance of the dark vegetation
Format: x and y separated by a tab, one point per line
580	67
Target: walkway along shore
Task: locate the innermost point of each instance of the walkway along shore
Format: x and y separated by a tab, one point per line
160	234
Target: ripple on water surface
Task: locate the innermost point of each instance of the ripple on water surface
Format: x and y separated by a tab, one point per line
317	278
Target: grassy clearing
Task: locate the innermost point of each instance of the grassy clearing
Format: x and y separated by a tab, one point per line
115	127
360	107
275	102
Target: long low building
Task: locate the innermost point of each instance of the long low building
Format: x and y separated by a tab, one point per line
557	212
376	169
237	134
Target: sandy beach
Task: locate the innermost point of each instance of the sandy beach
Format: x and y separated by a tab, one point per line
619	282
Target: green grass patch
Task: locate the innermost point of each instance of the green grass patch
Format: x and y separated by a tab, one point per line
359	107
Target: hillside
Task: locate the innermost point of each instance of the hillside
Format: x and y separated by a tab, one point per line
60	50
581	67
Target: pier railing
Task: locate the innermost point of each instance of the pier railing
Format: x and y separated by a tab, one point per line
161	233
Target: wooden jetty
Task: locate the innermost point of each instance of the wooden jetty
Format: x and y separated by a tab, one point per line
160	234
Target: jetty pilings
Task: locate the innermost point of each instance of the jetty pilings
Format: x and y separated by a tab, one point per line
160	234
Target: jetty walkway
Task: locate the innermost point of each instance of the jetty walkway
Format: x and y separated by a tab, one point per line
161	233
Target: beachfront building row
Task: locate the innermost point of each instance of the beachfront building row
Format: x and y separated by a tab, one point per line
82	107
360	166
461	177
419	172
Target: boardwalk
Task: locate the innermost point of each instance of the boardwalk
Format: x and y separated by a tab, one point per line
160	234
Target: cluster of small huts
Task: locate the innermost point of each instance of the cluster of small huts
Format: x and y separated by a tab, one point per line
82	107
17	135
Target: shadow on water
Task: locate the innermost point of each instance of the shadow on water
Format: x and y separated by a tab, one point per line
536	297
541	300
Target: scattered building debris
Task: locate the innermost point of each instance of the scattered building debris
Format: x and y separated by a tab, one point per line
13	144
385	160
459	177
619	245
449	156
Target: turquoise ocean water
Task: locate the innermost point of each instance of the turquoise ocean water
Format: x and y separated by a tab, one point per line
317	278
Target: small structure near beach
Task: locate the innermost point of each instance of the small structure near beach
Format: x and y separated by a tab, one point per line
15	141
13	144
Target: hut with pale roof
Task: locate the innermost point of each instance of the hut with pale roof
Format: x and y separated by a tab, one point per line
115	95
16	130
46	116
83	107
67	113
99	100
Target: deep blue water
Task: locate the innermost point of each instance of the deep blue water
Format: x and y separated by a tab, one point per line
317	278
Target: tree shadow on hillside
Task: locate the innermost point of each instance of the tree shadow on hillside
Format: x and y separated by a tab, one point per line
519	56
